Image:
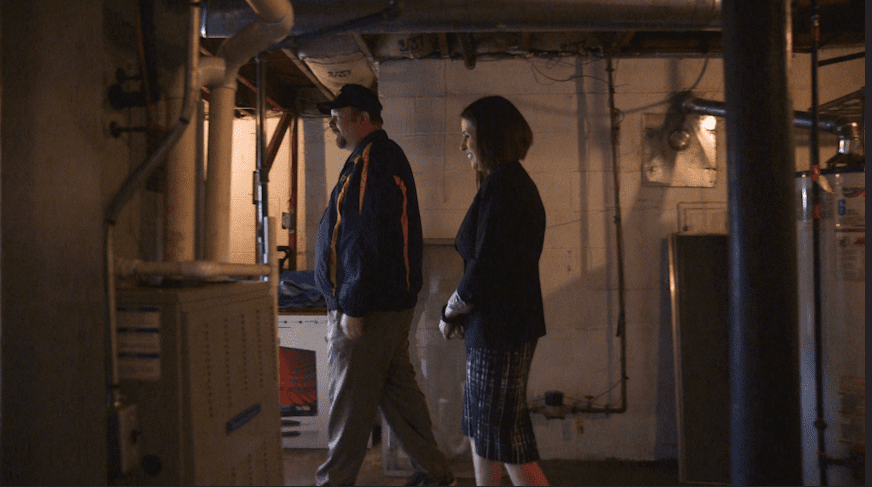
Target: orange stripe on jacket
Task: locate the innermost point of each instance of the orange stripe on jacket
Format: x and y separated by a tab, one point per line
405	223
333	238
364	172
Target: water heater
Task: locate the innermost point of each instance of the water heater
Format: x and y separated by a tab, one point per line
842	349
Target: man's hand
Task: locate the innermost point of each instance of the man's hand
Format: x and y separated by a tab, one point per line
351	326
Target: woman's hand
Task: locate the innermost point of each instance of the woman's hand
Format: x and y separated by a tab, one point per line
451	326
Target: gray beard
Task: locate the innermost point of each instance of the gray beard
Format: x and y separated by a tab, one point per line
341	141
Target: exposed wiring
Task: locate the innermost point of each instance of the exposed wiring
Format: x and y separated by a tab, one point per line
701	73
537	72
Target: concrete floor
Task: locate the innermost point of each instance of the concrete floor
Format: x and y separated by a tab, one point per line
300	466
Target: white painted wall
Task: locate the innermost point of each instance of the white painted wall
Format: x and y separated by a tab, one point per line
571	163
242	209
566	104
319	164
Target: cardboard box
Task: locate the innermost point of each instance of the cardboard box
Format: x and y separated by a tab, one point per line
303	380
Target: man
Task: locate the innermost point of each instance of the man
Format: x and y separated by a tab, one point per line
368	267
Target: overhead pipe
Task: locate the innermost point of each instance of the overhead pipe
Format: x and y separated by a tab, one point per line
222	18
352	26
847	130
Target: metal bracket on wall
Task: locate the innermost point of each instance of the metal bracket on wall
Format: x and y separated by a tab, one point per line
679	150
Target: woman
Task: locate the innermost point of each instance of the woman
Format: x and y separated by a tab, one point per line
497	307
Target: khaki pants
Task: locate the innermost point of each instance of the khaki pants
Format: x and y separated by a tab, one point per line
373	374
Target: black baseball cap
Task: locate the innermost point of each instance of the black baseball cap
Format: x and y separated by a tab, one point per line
354	95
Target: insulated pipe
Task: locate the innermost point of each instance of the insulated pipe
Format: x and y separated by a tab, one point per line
181	186
218	172
764	330
180	199
255	37
222	19
179	240
200	269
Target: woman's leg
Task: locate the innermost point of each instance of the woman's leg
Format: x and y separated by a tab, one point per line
525	474
487	472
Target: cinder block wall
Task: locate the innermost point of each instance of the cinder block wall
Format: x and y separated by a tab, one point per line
566	104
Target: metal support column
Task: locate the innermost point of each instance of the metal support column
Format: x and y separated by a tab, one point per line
764	362
261	174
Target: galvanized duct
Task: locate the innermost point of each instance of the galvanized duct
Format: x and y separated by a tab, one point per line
329	25
221	18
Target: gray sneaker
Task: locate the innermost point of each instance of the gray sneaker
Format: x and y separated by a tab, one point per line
421	478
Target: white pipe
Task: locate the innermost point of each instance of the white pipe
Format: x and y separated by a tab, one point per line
194	268
255	37
181	187
274	11
179	241
218	172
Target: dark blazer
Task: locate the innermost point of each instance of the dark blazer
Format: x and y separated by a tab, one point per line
500	241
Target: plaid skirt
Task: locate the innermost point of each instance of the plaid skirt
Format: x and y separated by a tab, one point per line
495	413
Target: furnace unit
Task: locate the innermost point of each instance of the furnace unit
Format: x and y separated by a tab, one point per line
200	364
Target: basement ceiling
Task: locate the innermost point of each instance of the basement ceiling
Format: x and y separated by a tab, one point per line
291	83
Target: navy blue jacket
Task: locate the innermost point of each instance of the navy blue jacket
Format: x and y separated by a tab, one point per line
501	240
369	247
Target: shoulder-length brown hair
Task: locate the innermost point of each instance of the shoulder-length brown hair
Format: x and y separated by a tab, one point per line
501	132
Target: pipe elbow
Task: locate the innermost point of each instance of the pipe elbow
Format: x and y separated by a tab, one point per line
274	11
212	70
277	20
